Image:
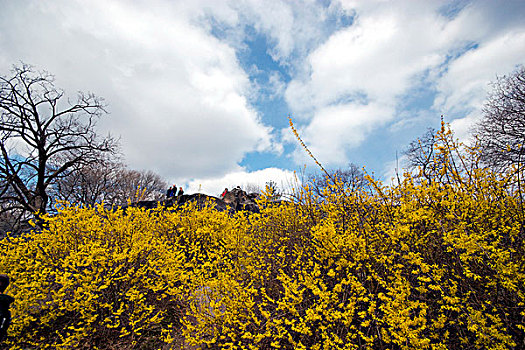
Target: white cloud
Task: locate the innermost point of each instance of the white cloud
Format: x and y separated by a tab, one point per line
276	85
214	186
370	58
358	80
335	129
464	86
377	56
352	83
177	95
291	28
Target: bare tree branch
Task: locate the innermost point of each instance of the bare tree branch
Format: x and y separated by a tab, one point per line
501	132
43	137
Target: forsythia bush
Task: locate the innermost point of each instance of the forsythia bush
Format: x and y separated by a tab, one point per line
435	262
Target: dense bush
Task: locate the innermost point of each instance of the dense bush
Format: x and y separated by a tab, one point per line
434	262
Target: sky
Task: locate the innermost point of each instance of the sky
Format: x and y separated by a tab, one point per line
200	91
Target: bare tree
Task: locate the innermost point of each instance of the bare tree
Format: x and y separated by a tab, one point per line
273	190
501	132
138	185
252	187
109	182
421	153
12	218
351	178
90	184
43	137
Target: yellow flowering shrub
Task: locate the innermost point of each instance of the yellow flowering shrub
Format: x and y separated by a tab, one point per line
431	263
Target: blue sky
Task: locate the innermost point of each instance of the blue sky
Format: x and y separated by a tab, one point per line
200	91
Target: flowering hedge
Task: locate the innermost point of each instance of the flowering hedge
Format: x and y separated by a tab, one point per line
431	263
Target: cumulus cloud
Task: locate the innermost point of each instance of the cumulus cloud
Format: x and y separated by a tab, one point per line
359	79
177	94
351	83
292	28
284	179
464	86
335	129
365	59
185	106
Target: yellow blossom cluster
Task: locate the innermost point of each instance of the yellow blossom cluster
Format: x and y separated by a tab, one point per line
434	262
